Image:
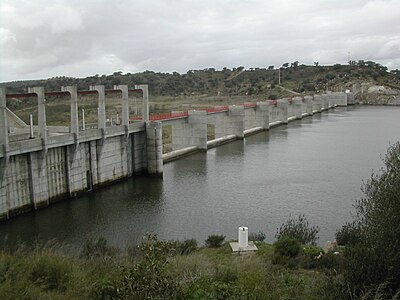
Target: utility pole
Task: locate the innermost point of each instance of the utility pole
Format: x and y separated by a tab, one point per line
279	76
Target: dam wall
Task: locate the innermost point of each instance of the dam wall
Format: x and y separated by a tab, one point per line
42	164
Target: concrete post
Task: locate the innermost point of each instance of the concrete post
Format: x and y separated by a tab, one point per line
350	98
154	148
145	90
243	237
341	99
297	102
74	108
317	104
101	112
3	119
262	115
308	101
283	110
125	103
331	100
236	115
192	132
325	102
198	120
39	91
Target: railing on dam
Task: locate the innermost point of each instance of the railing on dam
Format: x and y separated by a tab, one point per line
161	117
184	114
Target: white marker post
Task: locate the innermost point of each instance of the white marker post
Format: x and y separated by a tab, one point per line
243	237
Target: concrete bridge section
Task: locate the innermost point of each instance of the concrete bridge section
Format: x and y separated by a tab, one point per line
45	165
189	129
41	164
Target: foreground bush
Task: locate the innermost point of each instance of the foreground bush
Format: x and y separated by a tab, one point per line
287	246
257	236
373	251
348	235
149	279
97	249
185	247
299	229
215	241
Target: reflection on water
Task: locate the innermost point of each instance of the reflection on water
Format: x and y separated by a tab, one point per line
314	166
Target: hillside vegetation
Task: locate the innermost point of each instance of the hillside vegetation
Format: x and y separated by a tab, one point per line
202	88
237	81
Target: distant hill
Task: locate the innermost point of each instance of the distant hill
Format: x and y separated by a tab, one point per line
237	81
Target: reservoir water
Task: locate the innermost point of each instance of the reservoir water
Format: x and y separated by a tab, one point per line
315	167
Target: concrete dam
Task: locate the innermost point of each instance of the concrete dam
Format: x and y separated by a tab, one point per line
42	164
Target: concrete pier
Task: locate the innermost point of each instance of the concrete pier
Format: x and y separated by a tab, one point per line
101	108
262	115
283	110
317	104
337	99
351	98
191	132
145	91
227	123
297	103
308	102
154	148
125	105
324	102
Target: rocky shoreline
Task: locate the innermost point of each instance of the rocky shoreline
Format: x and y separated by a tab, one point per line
379	95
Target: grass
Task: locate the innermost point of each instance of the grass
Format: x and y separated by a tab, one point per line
47	272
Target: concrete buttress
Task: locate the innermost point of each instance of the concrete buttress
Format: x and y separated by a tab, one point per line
154	148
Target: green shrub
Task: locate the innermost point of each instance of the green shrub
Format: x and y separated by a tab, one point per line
215	241
257	237
50	272
311	250
225	274
97	249
210	289
187	247
105	290
299	229
349	234
333	262
150	279
309	256
307	262
287	246
364	268
382	291
285	261
373	258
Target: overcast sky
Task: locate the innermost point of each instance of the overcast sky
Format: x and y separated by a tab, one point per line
79	38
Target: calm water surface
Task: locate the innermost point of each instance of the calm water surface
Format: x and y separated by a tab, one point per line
315	167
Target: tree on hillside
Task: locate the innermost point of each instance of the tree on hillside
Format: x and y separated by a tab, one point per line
372	239
294	64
